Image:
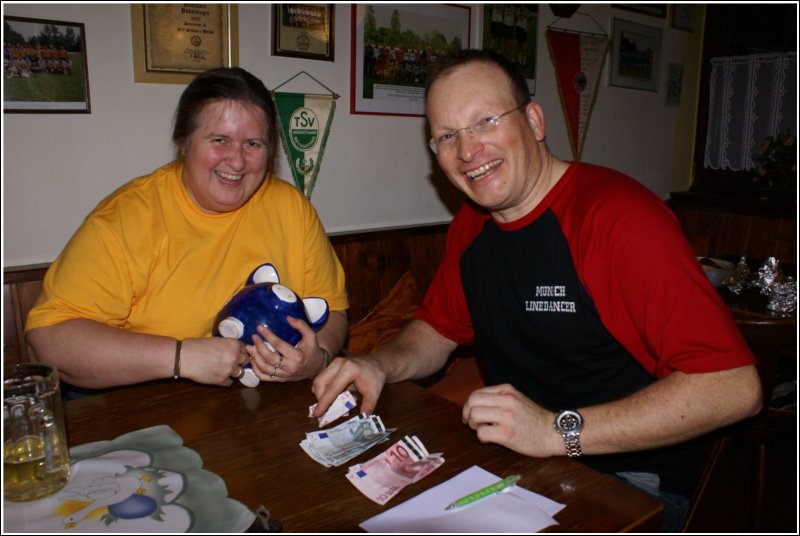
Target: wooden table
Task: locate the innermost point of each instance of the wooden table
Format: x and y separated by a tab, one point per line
250	437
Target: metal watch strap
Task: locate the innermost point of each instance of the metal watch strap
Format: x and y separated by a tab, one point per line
572	442
569	423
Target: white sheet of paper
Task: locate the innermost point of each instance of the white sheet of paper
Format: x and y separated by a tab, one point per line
517	510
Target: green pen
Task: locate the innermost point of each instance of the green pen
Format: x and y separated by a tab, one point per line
494	489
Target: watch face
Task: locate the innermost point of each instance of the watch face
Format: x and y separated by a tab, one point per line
569	421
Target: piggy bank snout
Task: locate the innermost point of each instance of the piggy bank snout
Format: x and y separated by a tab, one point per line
284	294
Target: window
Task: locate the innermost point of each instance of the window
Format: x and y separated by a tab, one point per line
736	30
751	97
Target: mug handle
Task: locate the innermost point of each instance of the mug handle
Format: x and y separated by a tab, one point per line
48	429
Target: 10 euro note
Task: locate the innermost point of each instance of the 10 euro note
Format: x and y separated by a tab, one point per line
404	463
337	445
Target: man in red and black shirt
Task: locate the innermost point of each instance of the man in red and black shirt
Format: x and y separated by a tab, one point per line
599	334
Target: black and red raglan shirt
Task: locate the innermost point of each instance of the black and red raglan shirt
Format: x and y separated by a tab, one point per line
590	297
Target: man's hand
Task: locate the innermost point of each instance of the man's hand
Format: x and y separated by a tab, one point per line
364	374
501	414
417	352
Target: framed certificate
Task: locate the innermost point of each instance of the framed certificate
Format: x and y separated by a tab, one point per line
174	42
303	31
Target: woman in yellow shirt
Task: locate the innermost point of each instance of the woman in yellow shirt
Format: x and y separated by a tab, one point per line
134	294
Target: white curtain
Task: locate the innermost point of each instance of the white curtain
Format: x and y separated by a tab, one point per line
752	97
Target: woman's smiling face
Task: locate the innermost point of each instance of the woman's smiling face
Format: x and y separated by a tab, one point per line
226	157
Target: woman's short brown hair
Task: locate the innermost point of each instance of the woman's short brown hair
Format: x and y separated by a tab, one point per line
224	83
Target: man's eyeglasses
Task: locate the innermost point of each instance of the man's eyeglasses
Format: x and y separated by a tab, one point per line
447	139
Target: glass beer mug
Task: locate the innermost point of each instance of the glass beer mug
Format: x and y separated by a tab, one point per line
35	452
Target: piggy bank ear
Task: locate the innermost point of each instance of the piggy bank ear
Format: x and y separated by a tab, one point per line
266	273
316	312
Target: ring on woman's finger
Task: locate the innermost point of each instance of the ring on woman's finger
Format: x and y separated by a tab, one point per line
241	373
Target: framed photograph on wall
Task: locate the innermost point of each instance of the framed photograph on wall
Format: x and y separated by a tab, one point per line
44	66
511	30
635	55
303	31
172	43
392	47
682	17
654	10
674	84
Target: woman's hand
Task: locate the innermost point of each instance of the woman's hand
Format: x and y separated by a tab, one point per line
275	360
213	360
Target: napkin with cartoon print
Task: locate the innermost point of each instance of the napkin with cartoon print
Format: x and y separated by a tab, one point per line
142	481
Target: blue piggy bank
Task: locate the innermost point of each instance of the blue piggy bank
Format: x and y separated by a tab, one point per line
264	301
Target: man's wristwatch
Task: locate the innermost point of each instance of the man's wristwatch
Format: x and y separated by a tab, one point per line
569	424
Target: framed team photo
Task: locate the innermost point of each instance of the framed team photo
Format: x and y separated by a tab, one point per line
635	55
393	45
511	30
44	67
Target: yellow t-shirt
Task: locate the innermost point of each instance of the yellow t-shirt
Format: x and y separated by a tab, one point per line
146	259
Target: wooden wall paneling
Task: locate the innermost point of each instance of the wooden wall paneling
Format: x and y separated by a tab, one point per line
393	259
697	229
761	237
371	270
21	288
11	352
426	254
786	246
755	233
370	267
375	260
734	235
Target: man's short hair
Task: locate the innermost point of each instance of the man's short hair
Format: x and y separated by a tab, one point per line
448	62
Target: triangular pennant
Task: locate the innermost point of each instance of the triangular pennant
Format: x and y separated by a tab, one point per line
578	58
304	121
